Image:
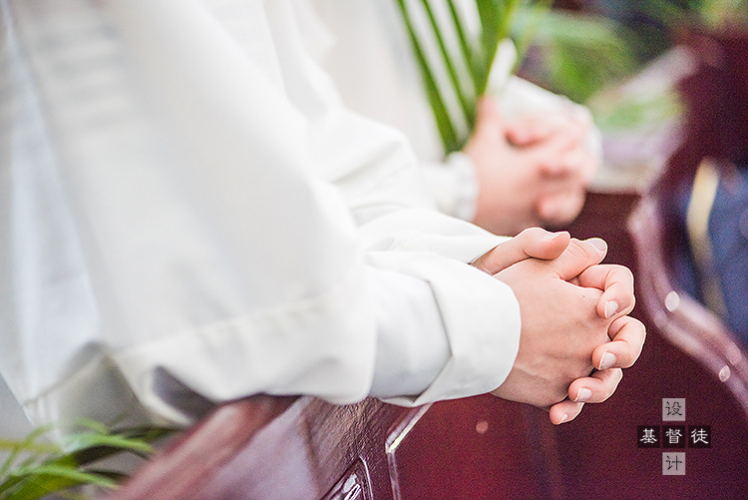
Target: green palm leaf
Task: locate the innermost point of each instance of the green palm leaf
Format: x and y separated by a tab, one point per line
34	469
467	65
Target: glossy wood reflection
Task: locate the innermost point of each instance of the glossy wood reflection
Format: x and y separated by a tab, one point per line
483	448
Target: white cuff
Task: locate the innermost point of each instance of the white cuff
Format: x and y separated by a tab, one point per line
480	314
453	185
482	320
412	346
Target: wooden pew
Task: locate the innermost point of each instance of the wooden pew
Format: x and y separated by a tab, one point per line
689	354
484	448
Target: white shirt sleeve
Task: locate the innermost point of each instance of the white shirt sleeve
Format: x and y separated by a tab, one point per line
412	345
400	230
453	184
159	214
204	210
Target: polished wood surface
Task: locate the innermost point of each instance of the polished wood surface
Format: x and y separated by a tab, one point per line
686	350
275	448
190	462
485	448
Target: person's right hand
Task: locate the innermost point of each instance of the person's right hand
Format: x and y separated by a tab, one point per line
627	336
566	323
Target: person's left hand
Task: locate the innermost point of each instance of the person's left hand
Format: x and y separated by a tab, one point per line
626	334
567	165
616	282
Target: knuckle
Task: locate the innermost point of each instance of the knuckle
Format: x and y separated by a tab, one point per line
614	383
579	248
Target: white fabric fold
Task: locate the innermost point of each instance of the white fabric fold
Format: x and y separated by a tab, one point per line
183	193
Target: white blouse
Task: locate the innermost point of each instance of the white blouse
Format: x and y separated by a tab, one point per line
184	199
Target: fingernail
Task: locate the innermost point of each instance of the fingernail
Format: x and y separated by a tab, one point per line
598	243
610	309
583	395
609	359
564	418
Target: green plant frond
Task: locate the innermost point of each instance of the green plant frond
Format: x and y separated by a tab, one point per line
7	485
38	469
92	425
87	456
28	446
495	18
468	52
16	481
32	436
490	13
148	434
42	480
72	474
466	102
468	66
582	54
29	487
444	124
117	477
79	442
85	449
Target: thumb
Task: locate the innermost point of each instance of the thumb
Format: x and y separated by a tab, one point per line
530	243
578	256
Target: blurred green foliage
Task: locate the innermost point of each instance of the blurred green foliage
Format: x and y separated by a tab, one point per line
469	66
35	467
577	55
574	54
712	14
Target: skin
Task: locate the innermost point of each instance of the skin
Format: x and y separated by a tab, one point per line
574	318
532	170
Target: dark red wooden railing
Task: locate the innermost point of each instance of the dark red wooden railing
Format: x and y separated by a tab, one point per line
484	448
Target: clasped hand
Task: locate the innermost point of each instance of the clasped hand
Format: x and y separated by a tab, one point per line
574	314
532	170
